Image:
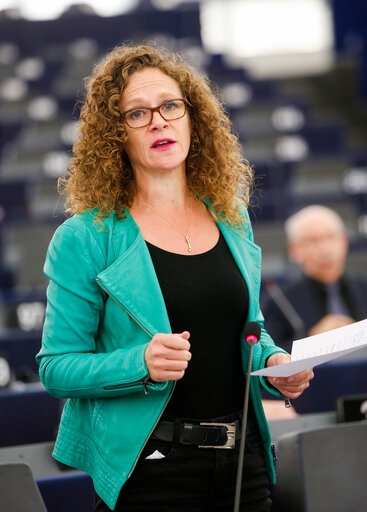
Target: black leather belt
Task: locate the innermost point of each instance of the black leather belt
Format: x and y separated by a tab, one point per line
203	435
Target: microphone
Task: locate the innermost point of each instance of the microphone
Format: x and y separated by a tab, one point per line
252	332
252	336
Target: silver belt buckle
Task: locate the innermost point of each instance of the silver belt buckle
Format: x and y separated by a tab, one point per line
231	435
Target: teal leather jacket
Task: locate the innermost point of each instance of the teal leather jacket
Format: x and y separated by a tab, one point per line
104	306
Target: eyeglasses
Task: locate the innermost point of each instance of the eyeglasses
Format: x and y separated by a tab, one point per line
169	111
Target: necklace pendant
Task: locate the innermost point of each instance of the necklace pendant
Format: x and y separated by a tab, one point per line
188	244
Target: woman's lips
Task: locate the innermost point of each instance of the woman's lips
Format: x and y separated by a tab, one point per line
162	144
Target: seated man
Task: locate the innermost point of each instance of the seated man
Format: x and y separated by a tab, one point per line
324	297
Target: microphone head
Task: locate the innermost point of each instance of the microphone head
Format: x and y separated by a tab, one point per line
252	332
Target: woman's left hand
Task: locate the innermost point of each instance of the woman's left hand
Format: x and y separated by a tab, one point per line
293	386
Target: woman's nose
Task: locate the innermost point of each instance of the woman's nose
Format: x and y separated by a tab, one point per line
157	120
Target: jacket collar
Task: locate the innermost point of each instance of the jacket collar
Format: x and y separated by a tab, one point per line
247	256
132	282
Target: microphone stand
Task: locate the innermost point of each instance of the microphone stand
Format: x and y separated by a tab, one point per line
251	340
286	307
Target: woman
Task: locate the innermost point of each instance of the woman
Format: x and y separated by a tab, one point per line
151	284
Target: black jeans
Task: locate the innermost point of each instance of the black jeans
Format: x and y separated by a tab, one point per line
192	479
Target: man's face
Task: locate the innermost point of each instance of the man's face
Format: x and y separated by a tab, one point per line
320	248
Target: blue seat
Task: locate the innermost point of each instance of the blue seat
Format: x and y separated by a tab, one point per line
324	139
332	380
271	175
20	348
71	491
14	199
28	415
269	205
8	132
32	36
221	73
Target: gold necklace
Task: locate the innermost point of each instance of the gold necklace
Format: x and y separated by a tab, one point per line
175	227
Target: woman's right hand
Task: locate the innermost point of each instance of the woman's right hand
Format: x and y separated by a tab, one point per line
167	356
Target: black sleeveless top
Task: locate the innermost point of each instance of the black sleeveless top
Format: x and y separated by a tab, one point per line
206	295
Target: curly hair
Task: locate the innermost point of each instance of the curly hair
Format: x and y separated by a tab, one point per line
100	175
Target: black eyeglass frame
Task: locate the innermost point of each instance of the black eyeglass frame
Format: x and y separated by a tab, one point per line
155	109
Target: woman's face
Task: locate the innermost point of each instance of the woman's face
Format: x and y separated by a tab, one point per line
151	87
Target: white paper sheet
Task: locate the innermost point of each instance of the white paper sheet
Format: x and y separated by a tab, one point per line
315	350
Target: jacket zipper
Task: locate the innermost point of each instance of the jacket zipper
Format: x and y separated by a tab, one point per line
143	382
124	308
152	430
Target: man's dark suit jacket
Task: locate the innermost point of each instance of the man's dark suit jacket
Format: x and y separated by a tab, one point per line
308	298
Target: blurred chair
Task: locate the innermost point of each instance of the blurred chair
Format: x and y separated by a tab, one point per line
279	428
71	492
324	137
332	380
322	470
62	488
18	490
14	199
28	415
20	349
